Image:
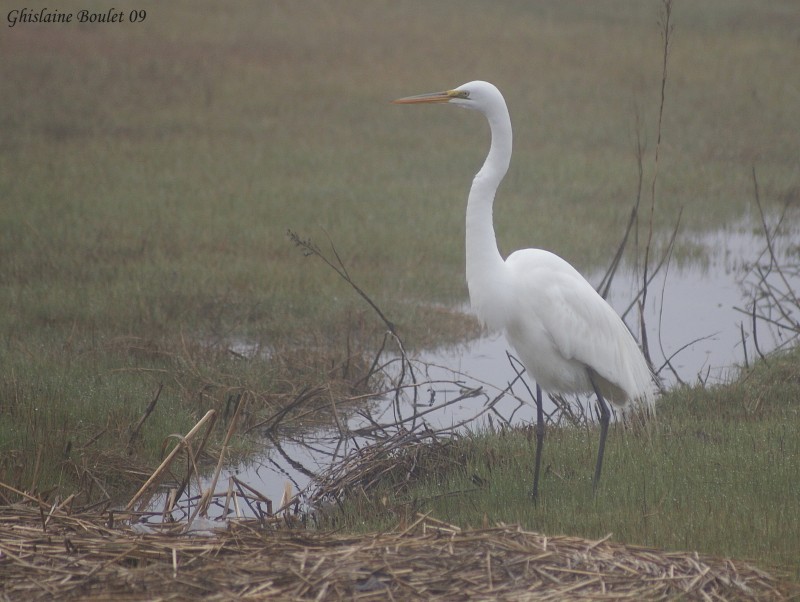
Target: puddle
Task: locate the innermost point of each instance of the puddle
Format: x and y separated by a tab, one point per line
692	316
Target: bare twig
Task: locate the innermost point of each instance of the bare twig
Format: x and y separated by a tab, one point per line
648	273
774	301
666	33
605	283
338	265
149	410
309	248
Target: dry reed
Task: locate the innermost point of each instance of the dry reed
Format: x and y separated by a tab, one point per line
46	555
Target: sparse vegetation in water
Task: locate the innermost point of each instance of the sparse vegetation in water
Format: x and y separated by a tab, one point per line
717	473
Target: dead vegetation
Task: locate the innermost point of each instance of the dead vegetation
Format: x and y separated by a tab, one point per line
47	555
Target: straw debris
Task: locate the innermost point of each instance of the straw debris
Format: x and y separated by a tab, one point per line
56	555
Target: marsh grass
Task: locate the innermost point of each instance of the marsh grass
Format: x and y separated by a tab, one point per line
717	473
70	420
148	175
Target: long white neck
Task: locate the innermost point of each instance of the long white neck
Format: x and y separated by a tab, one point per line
485	266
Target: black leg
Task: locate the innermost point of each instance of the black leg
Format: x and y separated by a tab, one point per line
539	442
605	415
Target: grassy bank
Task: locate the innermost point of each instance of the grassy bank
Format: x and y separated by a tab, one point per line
149	172
716	473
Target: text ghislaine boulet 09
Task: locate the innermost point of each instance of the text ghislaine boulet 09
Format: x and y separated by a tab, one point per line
26	15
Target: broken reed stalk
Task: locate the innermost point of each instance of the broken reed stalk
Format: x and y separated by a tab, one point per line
202	507
23	495
193	459
182	443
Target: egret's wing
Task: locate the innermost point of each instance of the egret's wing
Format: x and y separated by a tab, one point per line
578	322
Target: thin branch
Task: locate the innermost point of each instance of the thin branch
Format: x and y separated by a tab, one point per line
666	33
605	284
309	248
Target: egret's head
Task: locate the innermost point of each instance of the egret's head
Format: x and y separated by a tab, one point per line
476	95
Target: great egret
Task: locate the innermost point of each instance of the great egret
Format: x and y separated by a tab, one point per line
568	337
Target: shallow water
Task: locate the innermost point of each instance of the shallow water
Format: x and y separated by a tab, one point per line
691	317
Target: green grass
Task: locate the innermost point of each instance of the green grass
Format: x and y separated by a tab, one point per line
149	172
717	473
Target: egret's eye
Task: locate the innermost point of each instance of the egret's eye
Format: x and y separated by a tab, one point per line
460	94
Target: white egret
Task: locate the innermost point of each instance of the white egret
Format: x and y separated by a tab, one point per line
567	336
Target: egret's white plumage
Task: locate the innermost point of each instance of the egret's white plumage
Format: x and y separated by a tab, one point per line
567	336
